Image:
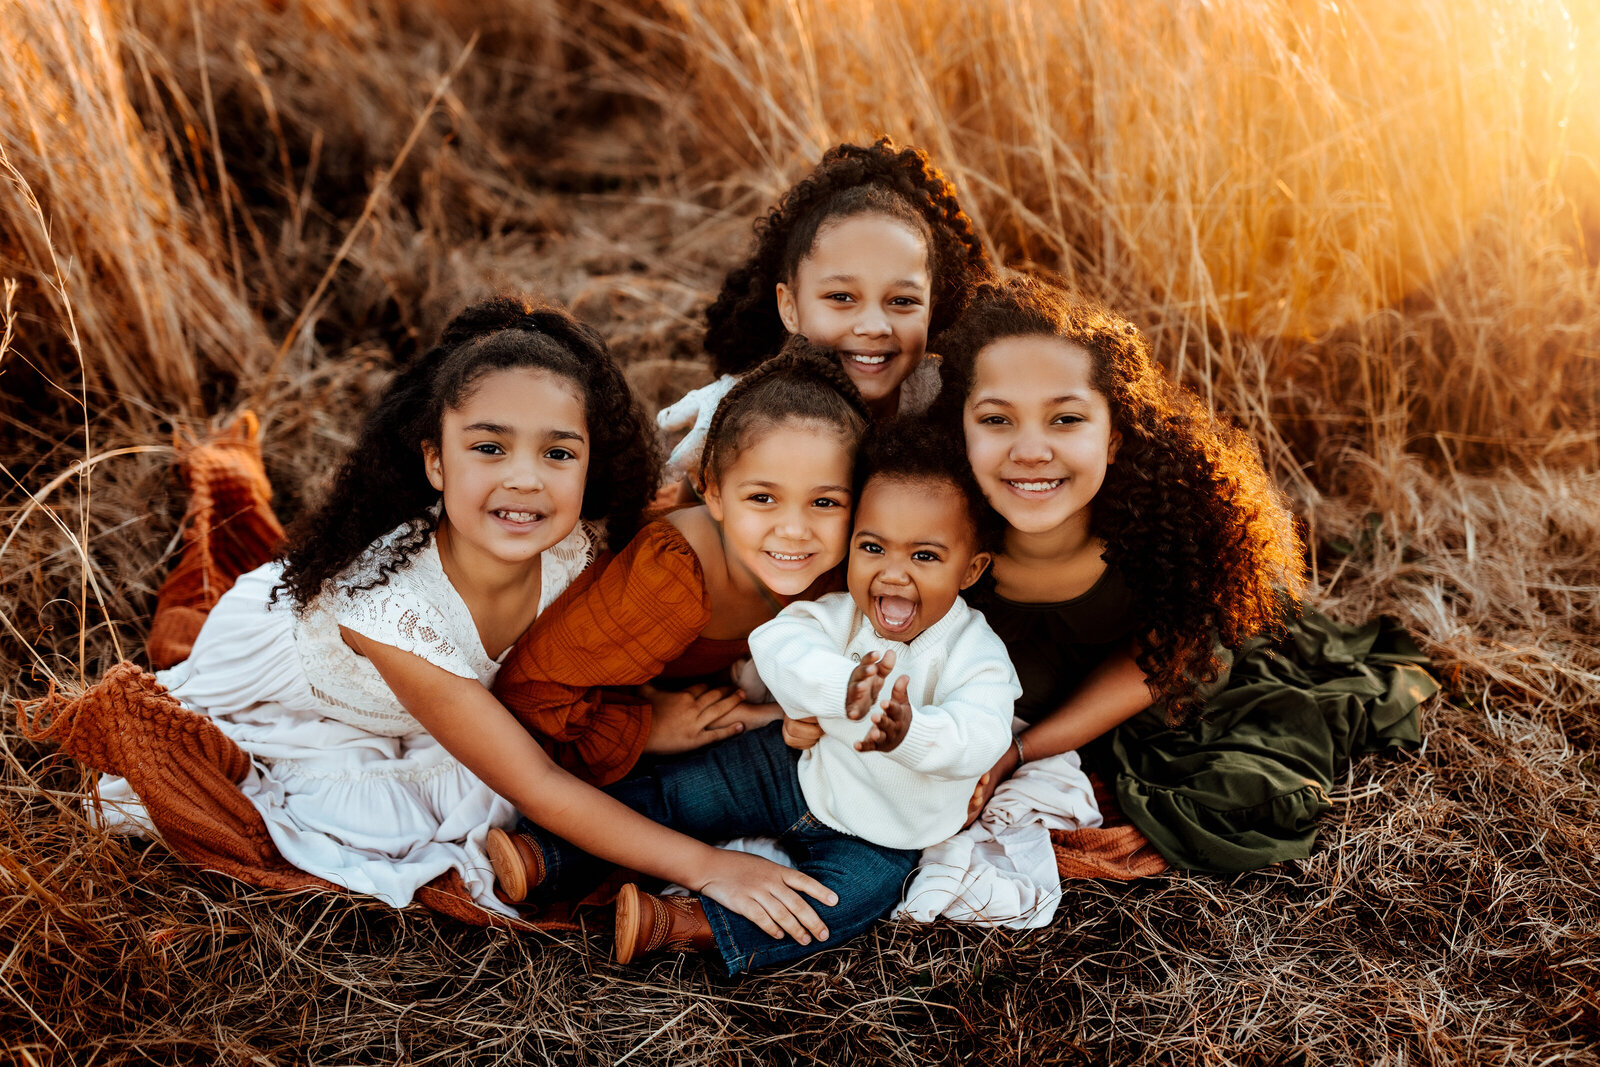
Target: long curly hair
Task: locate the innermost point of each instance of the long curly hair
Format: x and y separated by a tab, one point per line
742	324
1187	512
382	484
803	381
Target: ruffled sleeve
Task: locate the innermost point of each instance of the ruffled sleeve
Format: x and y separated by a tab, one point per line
619	624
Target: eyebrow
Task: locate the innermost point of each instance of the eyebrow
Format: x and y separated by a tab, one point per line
851	279
925	543
506	431
1067	398
755	483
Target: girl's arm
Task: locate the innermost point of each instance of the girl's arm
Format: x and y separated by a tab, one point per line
475	728
1113	693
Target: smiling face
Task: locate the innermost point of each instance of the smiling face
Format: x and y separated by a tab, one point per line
864	291
511	462
912	552
784	503
1039	435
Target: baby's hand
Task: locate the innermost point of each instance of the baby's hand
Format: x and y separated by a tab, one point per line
801	733
865	683
889	726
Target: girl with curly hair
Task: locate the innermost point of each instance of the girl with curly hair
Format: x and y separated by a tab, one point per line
1149	590
354	673
1145	546
869	255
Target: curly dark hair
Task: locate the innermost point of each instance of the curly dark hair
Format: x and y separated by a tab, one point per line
922	448
803	381
382	483
1188	514
742	324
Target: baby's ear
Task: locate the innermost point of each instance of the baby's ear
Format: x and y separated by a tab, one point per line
975	568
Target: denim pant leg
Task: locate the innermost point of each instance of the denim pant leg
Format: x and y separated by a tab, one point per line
867	877
744	785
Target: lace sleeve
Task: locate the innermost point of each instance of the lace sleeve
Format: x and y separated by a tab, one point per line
418	611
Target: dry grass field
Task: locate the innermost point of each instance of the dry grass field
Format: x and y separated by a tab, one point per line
1370	231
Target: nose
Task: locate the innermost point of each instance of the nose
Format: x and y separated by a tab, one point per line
791	523
522	475
872	322
894	572
1030	446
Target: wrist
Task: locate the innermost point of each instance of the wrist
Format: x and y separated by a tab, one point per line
701	866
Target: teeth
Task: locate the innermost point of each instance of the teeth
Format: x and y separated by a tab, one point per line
871	361
785	557
1037	487
517	516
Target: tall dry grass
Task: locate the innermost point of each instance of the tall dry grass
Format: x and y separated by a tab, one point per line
1368	230
1365	220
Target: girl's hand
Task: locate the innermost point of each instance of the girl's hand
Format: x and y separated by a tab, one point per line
866	681
687	720
1004	768
768	894
753	716
802	733
889	726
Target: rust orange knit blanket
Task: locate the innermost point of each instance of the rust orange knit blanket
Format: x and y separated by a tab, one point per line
228	529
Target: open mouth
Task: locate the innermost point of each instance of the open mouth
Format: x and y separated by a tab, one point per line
790	560
895	613
1037	485
517	518
868	360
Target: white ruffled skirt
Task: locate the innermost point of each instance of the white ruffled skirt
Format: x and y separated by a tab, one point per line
377	815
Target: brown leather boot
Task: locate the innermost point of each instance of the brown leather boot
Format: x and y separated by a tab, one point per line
518	864
647	923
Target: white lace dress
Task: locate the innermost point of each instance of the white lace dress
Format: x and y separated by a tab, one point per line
350	785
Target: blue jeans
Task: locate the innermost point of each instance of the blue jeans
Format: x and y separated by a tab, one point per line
748	784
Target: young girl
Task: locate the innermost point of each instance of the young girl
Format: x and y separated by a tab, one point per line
1146	546
676	605
354	673
868	256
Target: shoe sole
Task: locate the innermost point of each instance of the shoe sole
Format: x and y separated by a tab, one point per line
509	871
627	928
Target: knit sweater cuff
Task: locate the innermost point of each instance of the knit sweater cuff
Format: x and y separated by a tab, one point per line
826	700
917	747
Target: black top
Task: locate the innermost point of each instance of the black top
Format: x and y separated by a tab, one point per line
1055	646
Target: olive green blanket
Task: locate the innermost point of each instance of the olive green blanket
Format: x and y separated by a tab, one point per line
1243	787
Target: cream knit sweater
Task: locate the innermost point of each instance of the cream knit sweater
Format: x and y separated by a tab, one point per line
962	687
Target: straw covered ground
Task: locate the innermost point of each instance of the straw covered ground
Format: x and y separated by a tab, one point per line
1368	231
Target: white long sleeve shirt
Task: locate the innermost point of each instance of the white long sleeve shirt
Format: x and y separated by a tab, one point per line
962	688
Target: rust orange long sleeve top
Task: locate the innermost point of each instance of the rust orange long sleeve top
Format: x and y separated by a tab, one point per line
630	618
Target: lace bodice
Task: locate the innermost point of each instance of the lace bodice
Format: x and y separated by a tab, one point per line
416	610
